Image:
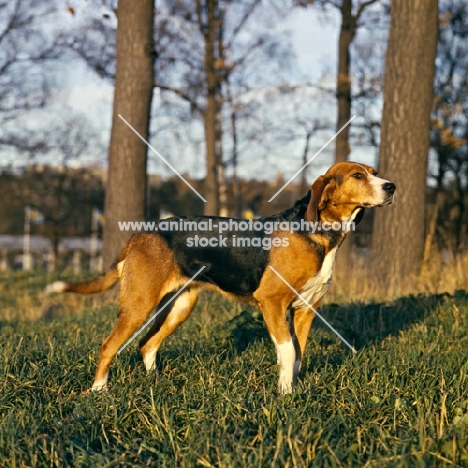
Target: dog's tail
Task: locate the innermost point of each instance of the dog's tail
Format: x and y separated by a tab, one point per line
100	284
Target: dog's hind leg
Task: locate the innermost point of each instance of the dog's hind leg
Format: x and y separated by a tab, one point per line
138	297
131	317
166	326
301	321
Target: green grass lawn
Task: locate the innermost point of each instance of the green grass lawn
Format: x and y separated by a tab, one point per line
400	401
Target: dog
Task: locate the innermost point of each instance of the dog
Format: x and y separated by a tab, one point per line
265	272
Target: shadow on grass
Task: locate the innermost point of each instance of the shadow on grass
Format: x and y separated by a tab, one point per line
364	324
361	324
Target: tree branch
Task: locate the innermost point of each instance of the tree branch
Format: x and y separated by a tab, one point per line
243	20
362	7
201	26
184	96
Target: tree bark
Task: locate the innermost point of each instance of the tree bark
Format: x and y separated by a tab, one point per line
398	237
343	80
126	183
343	100
303	184
222	180
432	227
212	181
235	181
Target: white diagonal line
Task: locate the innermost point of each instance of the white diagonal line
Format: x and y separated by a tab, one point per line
312	158
162	159
315	311
160	310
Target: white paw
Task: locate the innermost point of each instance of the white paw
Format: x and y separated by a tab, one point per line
99	388
150	360
285	388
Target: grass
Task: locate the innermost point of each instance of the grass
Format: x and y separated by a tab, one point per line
400	401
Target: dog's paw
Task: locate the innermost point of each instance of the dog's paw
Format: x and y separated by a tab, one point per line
98	389
285	388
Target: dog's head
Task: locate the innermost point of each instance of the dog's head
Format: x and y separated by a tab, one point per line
345	189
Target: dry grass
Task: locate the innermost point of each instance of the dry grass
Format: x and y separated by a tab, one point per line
441	275
23	299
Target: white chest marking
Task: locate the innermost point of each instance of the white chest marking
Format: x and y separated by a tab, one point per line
317	286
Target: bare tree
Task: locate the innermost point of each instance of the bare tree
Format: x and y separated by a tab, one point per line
398	237
352	15
449	133
134	81
95	42
203	44
200	46
209	19
349	24
28	49
368	64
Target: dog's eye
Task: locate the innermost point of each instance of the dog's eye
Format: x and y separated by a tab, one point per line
358	175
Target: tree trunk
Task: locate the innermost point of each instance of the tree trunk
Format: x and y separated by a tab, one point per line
442	155
235	181
459	224
211	182
303	186
343	100
343	80
126	183
398	237
432	226
211	207
223	185
223	191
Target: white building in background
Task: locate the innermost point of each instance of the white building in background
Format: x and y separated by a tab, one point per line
76	253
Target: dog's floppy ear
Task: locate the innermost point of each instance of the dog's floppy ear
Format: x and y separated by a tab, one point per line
321	191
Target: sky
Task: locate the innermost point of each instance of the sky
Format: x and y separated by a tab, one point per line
315	40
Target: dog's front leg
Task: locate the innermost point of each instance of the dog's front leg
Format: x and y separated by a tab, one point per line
286	357
301	321
275	318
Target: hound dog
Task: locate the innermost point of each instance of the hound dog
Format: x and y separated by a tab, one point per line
154	265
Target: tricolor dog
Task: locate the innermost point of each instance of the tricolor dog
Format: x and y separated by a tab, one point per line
153	265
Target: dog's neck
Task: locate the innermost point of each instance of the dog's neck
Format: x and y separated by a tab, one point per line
334	223
333	215
344	214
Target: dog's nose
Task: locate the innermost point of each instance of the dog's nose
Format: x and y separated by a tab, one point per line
389	187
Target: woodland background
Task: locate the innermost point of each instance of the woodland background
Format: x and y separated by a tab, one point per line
215	87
